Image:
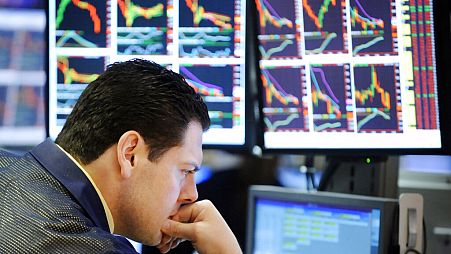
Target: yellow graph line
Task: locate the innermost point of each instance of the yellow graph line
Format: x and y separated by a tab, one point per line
199	14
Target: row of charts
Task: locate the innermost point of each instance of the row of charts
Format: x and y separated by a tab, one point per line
203	40
142	27
294	29
219	92
334	97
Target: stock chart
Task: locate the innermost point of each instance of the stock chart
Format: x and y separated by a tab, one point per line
278	31
331	97
325	26
215	84
142	27
206	28
376	93
81	24
283	105
376	33
74	74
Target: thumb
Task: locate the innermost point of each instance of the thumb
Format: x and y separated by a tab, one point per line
179	229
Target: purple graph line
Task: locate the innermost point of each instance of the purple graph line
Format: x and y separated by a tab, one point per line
193	77
276	84
323	78
271	9
364	12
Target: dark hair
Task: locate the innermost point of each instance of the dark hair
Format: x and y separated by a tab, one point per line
134	95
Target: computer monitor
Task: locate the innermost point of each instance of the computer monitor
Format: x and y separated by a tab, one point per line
202	40
282	220
357	74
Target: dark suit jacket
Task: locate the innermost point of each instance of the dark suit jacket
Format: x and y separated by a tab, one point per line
47	205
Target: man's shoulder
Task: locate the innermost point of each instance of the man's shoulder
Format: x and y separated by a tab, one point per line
44	212
7	158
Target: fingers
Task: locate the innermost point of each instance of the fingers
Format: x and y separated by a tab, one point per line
167	243
178	229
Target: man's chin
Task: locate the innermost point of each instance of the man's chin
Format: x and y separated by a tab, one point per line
156	239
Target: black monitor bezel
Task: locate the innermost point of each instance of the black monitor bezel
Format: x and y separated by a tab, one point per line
388	209
442	39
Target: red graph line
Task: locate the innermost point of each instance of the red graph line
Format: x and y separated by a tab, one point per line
92	13
265	16
199	13
318	19
370	93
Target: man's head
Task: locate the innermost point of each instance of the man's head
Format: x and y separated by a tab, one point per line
137	130
134	95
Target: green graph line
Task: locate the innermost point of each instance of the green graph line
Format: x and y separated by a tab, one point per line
60	12
282	46
324	45
367	45
369	117
318	20
322	11
327	126
77	38
277	124
133	11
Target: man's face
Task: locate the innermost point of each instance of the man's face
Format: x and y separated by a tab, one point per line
157	189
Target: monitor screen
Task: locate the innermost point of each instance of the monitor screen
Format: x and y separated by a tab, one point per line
22	76
202	40
288	221
355	74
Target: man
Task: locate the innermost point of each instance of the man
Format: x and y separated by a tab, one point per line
123	164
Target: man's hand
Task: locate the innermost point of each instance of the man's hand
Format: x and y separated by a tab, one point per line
203	225
168	242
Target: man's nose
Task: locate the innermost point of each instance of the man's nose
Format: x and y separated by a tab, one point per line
189	193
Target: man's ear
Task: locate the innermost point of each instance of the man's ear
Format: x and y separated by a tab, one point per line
126	151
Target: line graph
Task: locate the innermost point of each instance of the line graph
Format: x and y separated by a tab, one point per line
216	85
201	87
214	43
73	75
131	11
223	17
377	99
284	108
278	36
141	40
325	26
209	28
271	21
373	29
143	27
84	22
274	91
282	121
331	97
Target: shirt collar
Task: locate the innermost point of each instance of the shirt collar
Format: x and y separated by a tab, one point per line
109	216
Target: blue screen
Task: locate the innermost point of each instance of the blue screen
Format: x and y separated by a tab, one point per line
288	227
